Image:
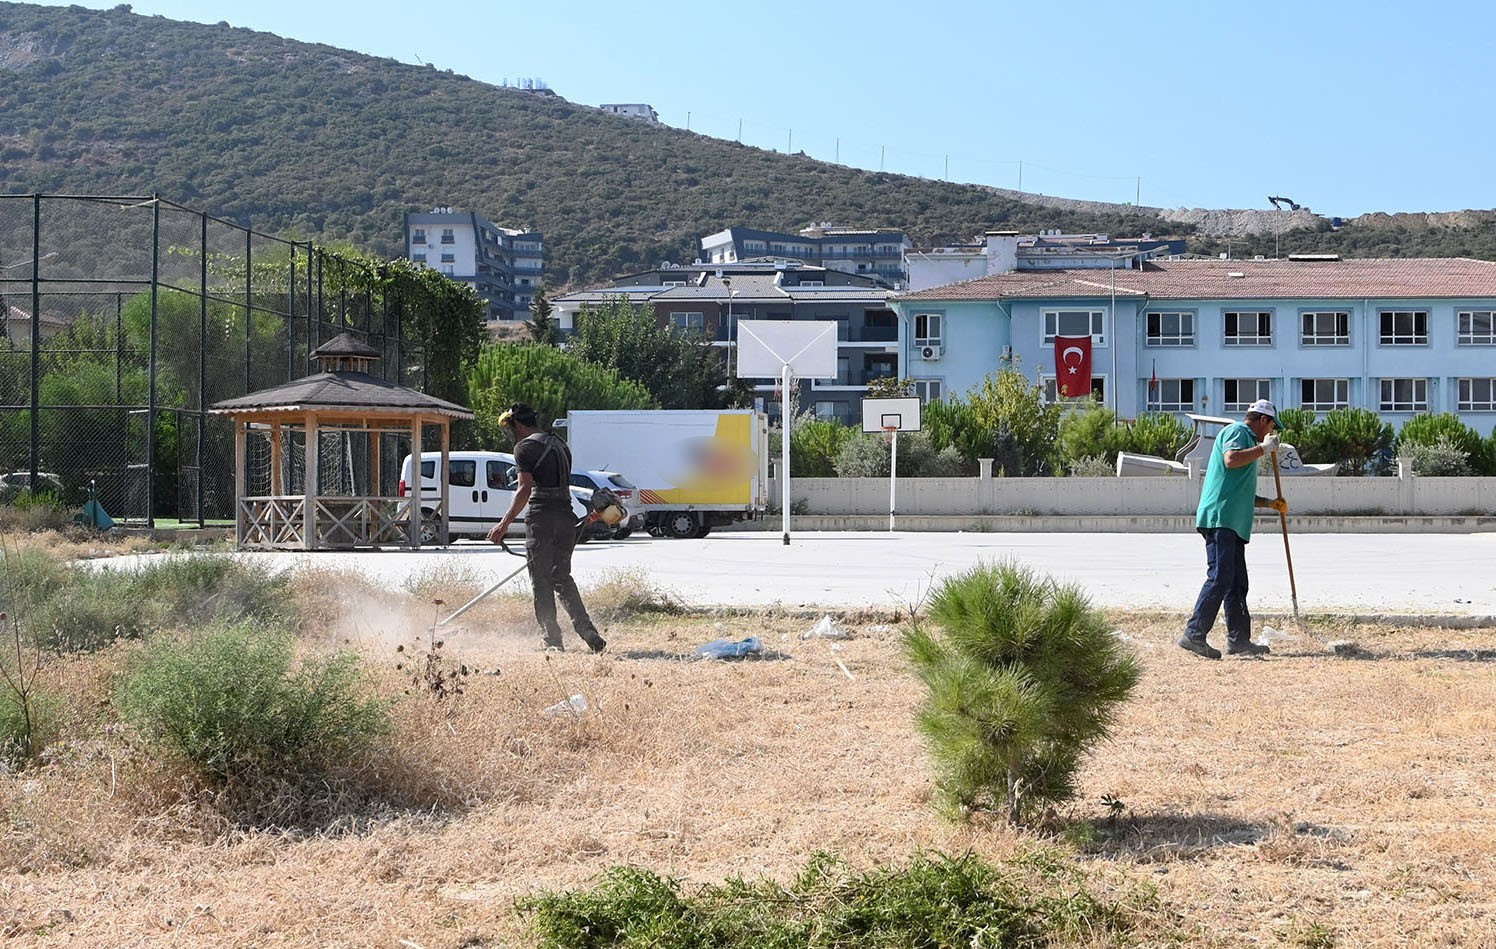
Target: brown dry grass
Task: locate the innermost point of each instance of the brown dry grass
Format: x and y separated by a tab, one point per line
1291	801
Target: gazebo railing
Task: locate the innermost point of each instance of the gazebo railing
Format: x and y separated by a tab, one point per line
280	522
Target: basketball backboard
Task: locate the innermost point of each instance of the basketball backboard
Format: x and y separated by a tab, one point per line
899	415
807	347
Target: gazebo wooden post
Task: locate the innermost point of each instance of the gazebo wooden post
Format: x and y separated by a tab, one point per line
309	531
241	466
443	481
413	529
277	483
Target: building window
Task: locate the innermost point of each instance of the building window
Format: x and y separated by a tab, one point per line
1171	329
418	236
1090	323
1404	395
1477	395
1477	328
449	258
927	327
1326	328
1175	395
447	236
688	321
1404	327
928	390
418	258
1051	391
1248	327
829	410
1324	395
1241	393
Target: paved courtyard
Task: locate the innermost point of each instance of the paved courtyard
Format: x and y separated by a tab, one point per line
1418	574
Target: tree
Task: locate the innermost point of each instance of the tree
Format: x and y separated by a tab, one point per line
1429	429
543	328
681	369
1024	678
866	454
550	379
1011	423
1352	438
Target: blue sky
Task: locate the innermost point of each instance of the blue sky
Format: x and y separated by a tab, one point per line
1345	107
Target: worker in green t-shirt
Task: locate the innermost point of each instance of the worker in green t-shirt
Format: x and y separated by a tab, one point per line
1228	501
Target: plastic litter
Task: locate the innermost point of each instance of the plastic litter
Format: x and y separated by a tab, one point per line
826	628
728	649
575	705
1270	635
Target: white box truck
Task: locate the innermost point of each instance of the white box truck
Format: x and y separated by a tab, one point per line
693	469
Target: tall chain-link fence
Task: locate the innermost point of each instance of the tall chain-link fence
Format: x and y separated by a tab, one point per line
126	318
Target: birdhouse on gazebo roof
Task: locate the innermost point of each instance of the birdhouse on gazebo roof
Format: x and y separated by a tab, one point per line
317	459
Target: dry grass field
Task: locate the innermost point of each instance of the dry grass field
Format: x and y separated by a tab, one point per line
1301	800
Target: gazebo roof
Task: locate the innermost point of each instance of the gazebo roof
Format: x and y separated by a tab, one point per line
345	344
345	391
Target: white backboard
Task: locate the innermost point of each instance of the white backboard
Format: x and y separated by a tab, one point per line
808	347
878	415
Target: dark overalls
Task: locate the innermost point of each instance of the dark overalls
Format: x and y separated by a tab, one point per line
550	536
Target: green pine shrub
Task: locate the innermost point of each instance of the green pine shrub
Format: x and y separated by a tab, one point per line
1355	439
1023	678
1090	431
865	455
814	446
233	702
1160	434
1028	902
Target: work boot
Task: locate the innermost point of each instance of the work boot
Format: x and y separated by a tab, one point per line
1199	647
596	643
1247	648
550	645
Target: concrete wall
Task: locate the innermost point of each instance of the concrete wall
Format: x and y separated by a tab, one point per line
1136	497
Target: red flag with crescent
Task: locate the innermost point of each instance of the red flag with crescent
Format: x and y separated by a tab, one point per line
1072	366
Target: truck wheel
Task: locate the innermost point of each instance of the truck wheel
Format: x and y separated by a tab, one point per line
429	528
681	524
702	531
622	532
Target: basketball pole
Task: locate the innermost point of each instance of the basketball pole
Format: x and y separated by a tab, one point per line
784	449
893	468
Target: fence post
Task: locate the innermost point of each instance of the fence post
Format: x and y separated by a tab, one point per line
36	339
202	368
150	408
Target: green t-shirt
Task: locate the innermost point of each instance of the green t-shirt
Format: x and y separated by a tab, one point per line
1229	495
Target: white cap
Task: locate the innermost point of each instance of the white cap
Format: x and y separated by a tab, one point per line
1264	407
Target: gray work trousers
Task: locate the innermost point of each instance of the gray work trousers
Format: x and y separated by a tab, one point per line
549	539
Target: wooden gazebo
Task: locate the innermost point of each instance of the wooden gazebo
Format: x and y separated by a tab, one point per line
316	460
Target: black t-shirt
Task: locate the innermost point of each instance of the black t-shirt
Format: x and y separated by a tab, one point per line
548	461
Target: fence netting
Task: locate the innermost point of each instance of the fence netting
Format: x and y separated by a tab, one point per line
124	319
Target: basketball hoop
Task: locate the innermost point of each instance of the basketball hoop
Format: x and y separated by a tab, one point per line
889	431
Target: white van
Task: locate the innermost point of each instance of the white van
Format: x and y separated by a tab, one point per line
480	485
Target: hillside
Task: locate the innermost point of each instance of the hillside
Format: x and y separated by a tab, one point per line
315	141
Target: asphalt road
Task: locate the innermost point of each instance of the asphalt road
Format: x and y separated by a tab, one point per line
1415	574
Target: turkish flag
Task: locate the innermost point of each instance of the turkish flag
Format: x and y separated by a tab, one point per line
1072	366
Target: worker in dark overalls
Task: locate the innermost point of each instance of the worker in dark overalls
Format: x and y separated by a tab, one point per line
544	465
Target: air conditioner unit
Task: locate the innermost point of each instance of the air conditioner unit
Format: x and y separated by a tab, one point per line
1007	352
929	352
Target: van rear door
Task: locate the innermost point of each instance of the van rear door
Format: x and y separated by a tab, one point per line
501	482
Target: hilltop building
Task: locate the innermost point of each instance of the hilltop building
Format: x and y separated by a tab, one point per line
506	266
1004	251
633	110
870	252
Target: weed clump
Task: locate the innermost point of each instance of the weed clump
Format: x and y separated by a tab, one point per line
233	702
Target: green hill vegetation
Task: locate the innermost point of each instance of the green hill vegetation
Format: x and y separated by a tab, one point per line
317	142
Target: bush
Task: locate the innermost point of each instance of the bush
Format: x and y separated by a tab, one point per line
1432	429
28	512
814	446
29	722
231	701
1025	678
1093	466
1089	432
1351	438
1443	459
1160	434
865	455
1032	901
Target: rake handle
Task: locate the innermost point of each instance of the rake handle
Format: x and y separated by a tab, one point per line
1293	590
